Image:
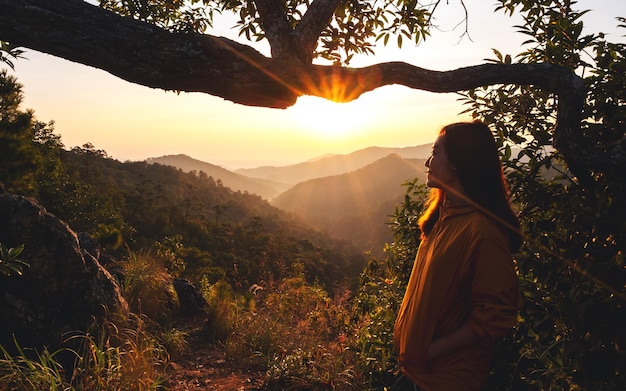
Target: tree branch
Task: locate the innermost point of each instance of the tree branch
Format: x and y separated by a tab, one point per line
141	53
275	26
345	84
315	19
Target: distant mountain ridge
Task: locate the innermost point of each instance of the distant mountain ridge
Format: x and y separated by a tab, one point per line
262	187
270	181
334	164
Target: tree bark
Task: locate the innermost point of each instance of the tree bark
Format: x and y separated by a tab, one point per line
147	55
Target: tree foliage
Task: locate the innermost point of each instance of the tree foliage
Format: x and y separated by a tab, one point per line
340	30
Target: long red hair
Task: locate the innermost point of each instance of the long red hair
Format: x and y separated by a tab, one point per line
472	151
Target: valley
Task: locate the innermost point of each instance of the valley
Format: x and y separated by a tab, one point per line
348	197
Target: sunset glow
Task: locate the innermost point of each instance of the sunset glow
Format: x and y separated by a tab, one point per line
330	120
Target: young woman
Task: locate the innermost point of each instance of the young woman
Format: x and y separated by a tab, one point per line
463	290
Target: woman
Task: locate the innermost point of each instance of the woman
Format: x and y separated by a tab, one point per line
463	290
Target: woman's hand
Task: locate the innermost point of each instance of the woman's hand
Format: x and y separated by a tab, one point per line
453	342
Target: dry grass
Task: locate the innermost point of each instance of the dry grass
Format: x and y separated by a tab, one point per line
292	330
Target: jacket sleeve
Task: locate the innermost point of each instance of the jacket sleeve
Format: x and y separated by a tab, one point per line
495	297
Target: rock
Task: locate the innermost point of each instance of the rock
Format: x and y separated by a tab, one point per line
65	288
190	299
87	244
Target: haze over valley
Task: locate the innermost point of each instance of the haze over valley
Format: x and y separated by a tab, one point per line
347	196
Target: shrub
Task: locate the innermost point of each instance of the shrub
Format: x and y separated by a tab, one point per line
291	329
220	300
112	358
147	286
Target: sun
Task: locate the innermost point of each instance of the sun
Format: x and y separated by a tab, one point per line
327	119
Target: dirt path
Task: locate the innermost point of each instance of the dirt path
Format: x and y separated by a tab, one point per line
203	366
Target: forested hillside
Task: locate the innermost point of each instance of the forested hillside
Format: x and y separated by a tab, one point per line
355	206
218	233
265	188
238	234
352	205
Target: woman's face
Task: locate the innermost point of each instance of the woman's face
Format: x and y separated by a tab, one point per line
440	172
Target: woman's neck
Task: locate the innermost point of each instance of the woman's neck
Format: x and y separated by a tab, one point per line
454	196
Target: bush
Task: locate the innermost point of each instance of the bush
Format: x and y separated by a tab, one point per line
147	286
291	329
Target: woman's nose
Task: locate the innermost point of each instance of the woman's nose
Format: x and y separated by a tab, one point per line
427	162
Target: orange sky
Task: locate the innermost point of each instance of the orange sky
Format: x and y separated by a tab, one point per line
132	122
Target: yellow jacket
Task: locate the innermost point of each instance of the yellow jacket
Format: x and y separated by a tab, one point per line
463	272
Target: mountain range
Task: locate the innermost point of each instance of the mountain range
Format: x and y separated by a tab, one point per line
270	181
265	188
333	164
347	196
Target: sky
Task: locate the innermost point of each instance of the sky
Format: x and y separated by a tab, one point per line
133	122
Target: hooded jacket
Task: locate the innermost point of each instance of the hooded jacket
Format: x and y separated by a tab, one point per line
463	273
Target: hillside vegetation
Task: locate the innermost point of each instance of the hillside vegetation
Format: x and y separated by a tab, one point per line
217	233
349	197
355	206
265	188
